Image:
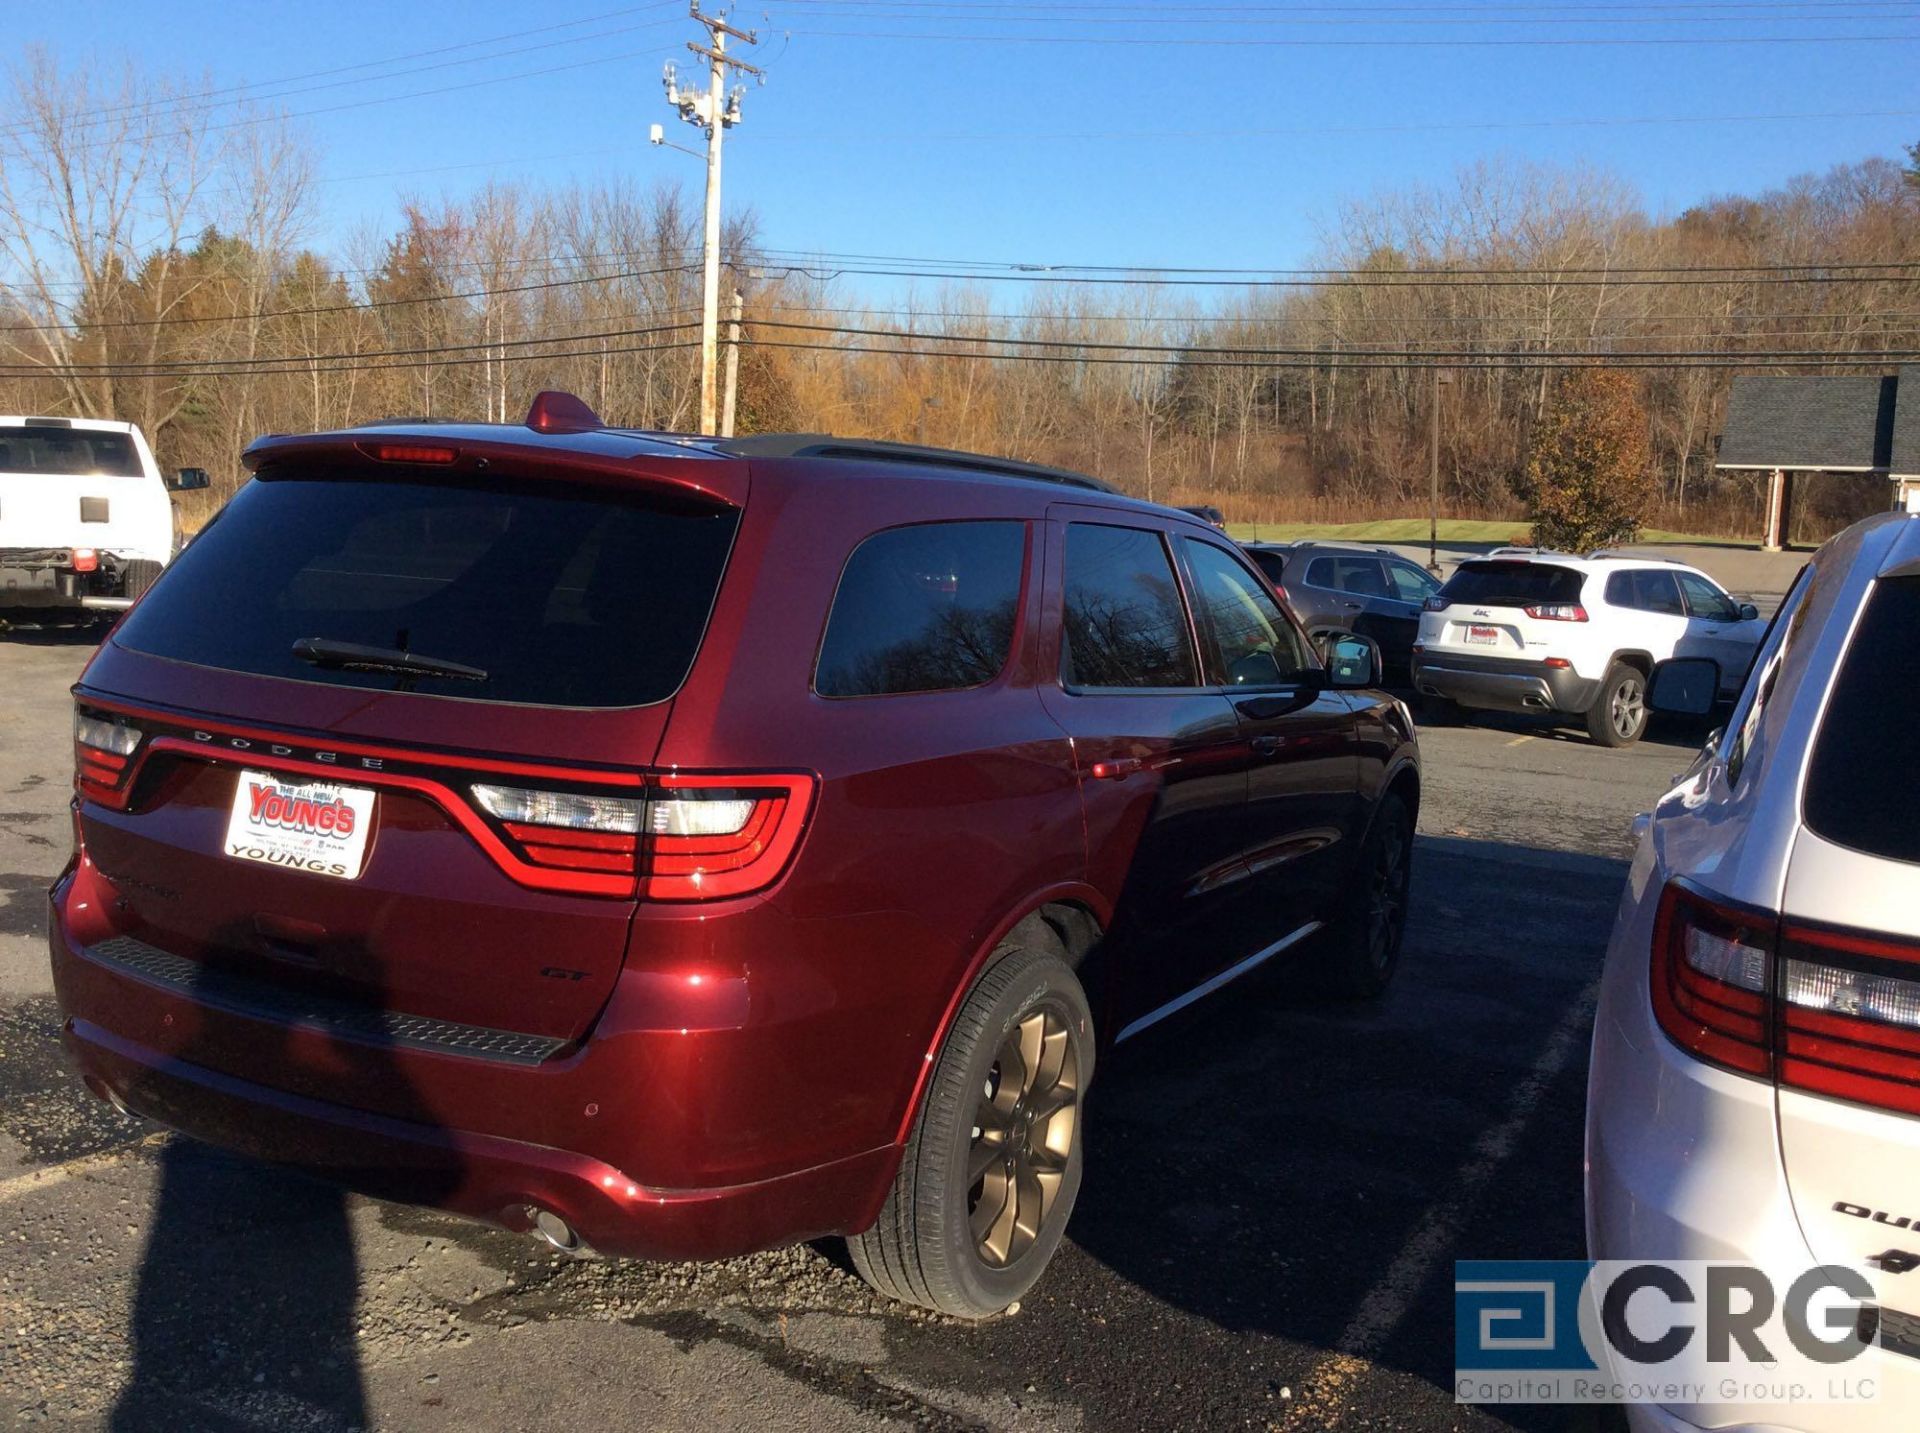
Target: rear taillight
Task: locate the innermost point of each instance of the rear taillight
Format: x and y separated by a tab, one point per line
1557	612
1280	591
1833	1012
101	750
1437	603
1850	1016
84	559
714	836
1712	972
567	830
689	838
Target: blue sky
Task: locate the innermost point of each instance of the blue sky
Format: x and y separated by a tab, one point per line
1138	152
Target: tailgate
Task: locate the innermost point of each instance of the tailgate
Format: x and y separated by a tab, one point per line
217	850
1491	634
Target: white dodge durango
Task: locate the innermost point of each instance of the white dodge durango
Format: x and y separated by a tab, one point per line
1755	1085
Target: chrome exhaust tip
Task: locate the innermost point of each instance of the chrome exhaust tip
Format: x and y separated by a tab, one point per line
555	1230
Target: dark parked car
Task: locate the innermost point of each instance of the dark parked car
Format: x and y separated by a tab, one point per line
1338	587
675	847
1208	514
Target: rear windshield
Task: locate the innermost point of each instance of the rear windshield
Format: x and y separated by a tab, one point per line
1862	789
562	596
68	452
1512	584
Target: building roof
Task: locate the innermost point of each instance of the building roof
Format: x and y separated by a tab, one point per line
1819	424
1904	459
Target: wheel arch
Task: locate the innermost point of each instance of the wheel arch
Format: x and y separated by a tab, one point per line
1073	916
1637	658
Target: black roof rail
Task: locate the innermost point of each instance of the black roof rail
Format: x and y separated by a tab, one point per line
401	420
872	450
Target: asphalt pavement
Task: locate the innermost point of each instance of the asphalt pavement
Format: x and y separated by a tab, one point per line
1276	1189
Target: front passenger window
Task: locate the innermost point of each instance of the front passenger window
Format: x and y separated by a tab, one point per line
1253	643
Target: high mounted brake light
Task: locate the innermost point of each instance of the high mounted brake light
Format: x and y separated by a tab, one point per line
436	454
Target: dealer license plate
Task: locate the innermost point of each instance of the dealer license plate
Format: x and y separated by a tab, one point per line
300	825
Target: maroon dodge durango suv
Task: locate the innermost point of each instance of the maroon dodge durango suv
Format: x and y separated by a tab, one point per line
675	847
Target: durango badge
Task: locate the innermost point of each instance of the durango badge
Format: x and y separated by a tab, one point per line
303	826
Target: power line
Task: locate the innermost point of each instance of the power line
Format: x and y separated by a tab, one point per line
490	80
1351	280
1464	16
1315	42
300	363
172	107
1079	345
355	307
1328	360
302	370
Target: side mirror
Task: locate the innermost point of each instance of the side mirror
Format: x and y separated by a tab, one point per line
1749	613
1685	686
188	480
1354	662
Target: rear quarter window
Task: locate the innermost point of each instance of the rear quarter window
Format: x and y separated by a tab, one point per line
563	595
1863	788
1513	584
927	608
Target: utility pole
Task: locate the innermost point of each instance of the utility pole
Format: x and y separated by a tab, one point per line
1433	477
733	365
714	111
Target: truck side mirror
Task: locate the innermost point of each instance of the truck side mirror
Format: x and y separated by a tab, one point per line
188	480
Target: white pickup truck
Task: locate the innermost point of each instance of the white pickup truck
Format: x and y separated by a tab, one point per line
86	520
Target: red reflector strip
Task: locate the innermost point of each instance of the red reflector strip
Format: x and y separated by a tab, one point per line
1859	1032
572	858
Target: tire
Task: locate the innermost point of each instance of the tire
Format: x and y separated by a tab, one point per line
1366	945
1618	716
924	1249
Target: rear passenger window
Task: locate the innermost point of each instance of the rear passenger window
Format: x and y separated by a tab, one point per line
1862	791
1124	624
928	608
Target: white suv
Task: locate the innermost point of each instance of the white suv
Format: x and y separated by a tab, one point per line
1754	1092
1545	632
85	517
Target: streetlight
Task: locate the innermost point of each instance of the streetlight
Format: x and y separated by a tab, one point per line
1440	377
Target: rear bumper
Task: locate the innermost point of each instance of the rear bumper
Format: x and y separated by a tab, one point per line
614	1138
1515	684
496	1181
45	578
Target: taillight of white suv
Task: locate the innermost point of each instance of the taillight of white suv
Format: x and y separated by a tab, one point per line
1831	1011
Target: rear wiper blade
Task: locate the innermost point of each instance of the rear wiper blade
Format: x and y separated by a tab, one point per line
354	657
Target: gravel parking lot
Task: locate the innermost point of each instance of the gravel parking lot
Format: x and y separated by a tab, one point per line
1276	1191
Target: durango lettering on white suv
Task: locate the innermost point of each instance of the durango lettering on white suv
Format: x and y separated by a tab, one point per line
1576	637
